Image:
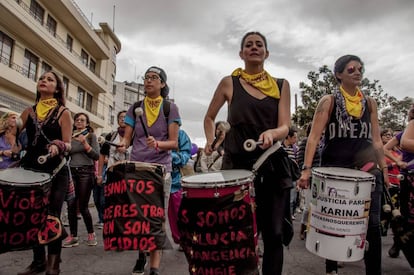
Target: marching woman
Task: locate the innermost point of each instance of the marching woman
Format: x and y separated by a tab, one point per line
49	131
84	153
348	108
257	109
153	140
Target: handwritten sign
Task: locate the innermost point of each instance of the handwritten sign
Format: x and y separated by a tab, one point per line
218	235
134	209
23	210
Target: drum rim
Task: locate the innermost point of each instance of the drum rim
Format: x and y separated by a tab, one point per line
45	179
209	185
248	178
368	177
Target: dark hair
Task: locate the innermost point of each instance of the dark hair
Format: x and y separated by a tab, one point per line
59	95
253	33
87	121
340	64
292	132
119	114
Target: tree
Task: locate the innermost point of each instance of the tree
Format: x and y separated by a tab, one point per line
394	115
323	82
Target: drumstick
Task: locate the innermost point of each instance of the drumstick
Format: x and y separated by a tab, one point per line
221	127
81	132
250	144
43	159
102	140
139	112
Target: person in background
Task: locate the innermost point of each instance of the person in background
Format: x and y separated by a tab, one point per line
84	153
48	126
9	143
213	162
157	146
180	158
289	144
108	156
335	114
306	192
404	168
259	109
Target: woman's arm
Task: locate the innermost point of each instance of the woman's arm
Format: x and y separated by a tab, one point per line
282	130
320	119
222	94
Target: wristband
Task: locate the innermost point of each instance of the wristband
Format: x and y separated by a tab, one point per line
304	167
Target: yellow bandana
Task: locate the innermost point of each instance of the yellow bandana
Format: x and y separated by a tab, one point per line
353	103
152	109
44	106
262	81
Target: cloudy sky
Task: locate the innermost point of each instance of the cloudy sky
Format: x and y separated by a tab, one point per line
197	42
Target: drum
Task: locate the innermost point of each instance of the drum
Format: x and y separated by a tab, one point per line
217	223
24	197
134	213
338	216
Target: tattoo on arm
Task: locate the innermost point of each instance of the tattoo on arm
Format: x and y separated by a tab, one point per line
321	106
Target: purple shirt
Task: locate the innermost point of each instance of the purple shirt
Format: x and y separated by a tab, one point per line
159	130
406	156
4	161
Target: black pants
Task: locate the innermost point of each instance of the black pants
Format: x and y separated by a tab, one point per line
272	208
56	198
83	179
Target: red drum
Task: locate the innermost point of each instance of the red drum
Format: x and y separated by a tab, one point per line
134	213
23	207
217	223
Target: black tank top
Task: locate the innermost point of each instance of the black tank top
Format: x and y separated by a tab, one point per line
37	142
348	148
248	117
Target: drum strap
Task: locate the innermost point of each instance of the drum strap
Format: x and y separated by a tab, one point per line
265	155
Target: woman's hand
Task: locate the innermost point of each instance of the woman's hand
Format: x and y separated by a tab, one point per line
267	138
303	181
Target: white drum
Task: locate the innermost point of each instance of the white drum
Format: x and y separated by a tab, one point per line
338	216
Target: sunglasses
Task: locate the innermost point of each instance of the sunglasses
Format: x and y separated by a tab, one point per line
352	69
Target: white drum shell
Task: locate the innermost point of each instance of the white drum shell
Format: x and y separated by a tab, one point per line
338	216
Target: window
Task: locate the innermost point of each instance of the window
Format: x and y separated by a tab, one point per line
45	67
92	65
6	45
89	99
37	11
84	58
69	42
66	85
81	97
51	25
110	115
30	65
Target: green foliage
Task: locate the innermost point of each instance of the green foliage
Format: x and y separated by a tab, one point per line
392	112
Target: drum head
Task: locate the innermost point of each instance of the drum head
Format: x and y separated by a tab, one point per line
341	173
223	177
21	177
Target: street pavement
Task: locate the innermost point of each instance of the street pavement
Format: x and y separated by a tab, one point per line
93	260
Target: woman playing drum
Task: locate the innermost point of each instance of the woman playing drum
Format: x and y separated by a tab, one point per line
258	109
155	134
49	130
337	114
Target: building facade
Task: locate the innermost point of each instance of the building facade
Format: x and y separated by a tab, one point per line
41	35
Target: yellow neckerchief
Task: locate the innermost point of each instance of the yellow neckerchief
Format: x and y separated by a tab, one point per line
262	81
152	109
353	103
44	106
